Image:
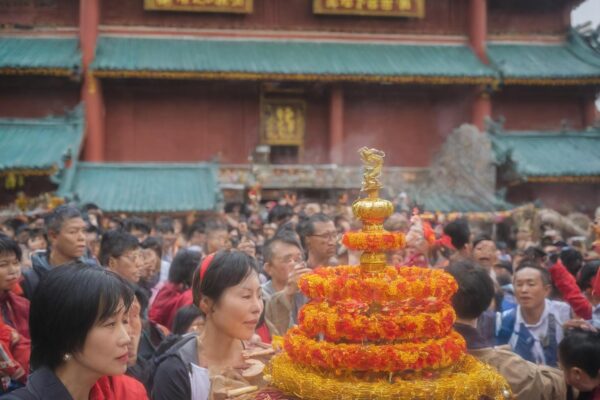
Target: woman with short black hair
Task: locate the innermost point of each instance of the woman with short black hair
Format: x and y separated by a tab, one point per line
79	336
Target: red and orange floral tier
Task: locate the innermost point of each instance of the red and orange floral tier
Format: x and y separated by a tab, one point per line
359	322
392	357
392	284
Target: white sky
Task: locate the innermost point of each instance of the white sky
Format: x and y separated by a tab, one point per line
589	10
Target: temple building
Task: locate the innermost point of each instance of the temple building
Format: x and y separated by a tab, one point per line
281	94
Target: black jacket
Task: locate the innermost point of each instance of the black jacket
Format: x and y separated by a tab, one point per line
41	385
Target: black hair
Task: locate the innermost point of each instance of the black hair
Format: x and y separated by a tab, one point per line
475	289
93	229
534	254
280	213
198	226
114	244
57	217
153	243
136	223
183	266
14	224
507	265
68	302
165	225
545	275
35	232
283	237
228	268
141	296
459	233
482	238
8	245
306	228
89	206
587	274
572	259
184	318
581	348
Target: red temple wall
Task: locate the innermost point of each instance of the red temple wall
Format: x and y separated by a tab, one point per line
47	13
409	124
180	121
539	108
29	97
441	17
527	19
565	197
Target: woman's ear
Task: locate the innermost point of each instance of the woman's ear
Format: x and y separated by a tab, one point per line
206	305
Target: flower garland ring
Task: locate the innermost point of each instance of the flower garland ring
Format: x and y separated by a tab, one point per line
471	380
356	323
392	284
431	354
373	241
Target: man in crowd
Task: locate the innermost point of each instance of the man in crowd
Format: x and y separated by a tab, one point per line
138	228
534	328
66	235
475	293
281	254
120	252
318	234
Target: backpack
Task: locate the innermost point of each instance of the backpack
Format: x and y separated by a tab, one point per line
168	348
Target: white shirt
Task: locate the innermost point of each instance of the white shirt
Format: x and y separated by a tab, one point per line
561	312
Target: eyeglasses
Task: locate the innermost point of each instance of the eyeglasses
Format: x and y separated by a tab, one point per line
133	257
328	236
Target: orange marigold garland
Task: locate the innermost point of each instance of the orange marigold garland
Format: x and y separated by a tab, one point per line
373	241
432	353
356	322
393	284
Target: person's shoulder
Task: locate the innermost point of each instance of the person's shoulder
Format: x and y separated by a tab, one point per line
128	387
560	308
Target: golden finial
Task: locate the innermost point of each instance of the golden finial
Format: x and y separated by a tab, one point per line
373	164
372	210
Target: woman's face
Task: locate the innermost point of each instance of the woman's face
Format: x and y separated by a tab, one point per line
105	351
151	263
237	311
10	271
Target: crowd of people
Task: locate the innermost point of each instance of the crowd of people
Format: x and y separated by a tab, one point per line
124	307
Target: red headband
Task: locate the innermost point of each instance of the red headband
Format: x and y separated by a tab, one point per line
205	264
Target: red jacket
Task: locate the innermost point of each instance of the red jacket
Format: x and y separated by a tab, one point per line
168	301
17	308
17	353
120	387
566	284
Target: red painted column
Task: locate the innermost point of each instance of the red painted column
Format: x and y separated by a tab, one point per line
482	104
336	125
590	112
478	28
91	92
481	108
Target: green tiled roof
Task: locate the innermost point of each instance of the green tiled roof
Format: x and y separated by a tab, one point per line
571	61
40	143
37	55
143	187
535	154
305	60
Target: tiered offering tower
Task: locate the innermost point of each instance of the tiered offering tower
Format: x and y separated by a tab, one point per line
379	332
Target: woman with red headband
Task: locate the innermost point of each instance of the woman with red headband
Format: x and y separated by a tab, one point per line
222	359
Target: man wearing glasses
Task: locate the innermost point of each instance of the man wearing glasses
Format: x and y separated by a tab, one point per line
319	239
